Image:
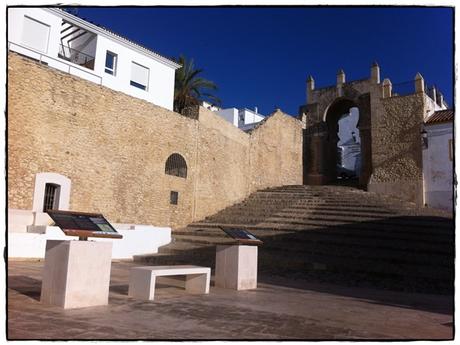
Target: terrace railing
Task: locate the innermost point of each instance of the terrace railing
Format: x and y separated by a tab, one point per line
76	57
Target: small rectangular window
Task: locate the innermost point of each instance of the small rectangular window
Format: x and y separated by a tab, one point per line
139	76
174	198
51	199
111	63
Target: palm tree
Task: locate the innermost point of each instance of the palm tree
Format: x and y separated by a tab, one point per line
189	88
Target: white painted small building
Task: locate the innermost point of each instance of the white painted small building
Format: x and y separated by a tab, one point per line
438	155
68	43
242	118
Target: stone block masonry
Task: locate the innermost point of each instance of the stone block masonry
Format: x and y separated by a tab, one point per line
113	148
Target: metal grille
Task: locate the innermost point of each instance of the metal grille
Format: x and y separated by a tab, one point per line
176	166
51	196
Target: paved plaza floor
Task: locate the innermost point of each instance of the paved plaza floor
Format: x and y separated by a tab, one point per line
279	309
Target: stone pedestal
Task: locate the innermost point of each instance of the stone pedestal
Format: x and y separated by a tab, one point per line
76	273
236	267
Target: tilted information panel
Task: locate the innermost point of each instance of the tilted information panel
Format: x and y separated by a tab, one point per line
242	236
83	224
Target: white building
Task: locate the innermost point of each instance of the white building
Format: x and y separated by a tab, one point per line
241	118
73	45
349	145
438	155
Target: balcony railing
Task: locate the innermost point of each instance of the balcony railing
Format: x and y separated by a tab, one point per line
76	57
55	62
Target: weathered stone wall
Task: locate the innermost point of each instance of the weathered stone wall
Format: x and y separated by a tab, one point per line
390	136
114	147
396	146
276	146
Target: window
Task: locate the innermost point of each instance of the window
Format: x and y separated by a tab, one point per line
139	76
51	190
35	34
176	166
110	63
51	199
174	198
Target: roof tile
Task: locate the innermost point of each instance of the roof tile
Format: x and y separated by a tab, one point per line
441	116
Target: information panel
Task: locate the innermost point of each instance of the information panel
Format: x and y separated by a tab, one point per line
83	224
242	236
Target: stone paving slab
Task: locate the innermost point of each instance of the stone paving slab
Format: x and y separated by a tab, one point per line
279	309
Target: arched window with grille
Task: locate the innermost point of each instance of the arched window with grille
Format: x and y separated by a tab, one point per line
176	166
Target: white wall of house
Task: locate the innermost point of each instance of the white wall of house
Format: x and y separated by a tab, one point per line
438	165
250	116
137	240
229	114
19	33
22	35
240	118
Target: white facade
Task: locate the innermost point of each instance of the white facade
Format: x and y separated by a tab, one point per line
240	117
438	166
137	240
72	45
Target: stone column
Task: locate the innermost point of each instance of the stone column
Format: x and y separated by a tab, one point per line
419	83
387	88
433	93
440	99
375	73
316	155
310	88
340	82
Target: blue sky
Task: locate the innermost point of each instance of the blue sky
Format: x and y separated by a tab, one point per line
262	56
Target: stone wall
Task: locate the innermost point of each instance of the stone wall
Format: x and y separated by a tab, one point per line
113	147
396	147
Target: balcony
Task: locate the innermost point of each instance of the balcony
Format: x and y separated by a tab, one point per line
76	57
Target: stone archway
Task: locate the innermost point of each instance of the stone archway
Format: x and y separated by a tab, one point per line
331	118
320	136
390	132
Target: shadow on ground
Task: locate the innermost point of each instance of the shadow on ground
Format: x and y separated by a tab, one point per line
25	285
412	254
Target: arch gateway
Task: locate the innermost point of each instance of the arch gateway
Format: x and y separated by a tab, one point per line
390	129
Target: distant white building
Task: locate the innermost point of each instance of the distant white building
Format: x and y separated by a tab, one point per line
73	45
438	155
244	118
349	145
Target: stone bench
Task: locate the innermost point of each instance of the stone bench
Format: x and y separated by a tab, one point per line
142	279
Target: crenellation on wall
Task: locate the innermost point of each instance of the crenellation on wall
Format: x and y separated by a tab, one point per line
113	148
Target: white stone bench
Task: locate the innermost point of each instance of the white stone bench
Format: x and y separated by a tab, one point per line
142	279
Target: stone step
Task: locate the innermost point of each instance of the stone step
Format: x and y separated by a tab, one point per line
321	261
314	242
352	231
302	211
394	221
306	238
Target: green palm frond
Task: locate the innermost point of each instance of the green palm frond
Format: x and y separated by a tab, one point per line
189	88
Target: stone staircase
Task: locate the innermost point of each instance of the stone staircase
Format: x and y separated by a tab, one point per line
334	234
